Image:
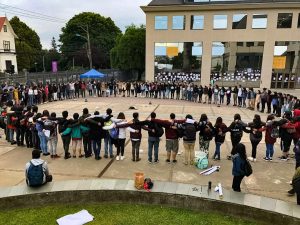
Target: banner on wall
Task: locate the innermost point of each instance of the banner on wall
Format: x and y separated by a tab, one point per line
54	66
172	51
279	62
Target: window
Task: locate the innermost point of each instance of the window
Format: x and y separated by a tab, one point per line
284	20
197	22
161	22
4	28
259	21
240	44
6	46
220	21
239	21
178	23
299	20
250	44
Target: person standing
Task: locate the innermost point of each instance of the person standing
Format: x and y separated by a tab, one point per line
220	133
239	160
66	140
206	133
87	144
153	140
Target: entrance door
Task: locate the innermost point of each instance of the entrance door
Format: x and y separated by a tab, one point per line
8	64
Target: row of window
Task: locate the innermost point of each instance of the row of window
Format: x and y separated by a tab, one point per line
6	46
239	21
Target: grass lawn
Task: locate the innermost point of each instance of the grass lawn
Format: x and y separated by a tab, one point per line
118	214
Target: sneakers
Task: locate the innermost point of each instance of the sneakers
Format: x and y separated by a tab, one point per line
179	153
156	161
150	162
250	159
283	158
266	159
111	156
122	157
118	158
106	156
138	159
254	160
168	160
291	192
174	161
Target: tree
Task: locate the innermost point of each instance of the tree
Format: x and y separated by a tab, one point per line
129	52
103	33
53	44
28	44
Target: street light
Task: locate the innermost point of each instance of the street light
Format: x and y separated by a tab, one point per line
87	38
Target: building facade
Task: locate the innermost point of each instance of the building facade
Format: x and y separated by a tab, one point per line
8	58
255	43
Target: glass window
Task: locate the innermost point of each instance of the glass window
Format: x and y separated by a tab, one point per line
220	21
259	21
179	61
6	45
4	28
161	22
239	21
299	20
240	44
178	23
197	22
284	20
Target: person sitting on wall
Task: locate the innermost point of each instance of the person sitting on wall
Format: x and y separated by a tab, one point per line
37	172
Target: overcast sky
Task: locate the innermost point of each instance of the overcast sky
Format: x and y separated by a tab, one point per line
122	12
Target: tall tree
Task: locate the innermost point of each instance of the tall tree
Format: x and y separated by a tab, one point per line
129	52
103	33
53	44
28	45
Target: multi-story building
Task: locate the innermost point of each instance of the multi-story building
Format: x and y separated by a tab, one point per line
252	42
8	58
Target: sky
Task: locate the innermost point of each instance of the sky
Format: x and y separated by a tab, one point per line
122	12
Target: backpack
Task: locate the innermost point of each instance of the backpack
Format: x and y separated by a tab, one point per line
208	133
248	169
237	131
202	161
114	133
297	147
275	132
50	125
148	184
35	175
189	132
159	131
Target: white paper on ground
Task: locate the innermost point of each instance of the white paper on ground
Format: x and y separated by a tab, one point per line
79	218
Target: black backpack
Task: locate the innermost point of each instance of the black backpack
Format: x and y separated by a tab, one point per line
248	168
237	131
35	175
208	133
189	132
159	131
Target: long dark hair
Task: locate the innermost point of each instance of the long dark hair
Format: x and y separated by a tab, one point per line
241	149
219	122
203	118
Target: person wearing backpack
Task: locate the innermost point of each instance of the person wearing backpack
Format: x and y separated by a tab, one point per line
87	143
286	133
66	140
236	129
41	132
155	131
36	171
272	133
255	131
239	161
172	136
206	133
189	138
220	130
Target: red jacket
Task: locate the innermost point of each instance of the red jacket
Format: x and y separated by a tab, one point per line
170	132
297	124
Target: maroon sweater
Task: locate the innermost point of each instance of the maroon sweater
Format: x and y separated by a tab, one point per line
171	133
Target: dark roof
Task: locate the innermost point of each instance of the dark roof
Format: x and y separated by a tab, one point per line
213	2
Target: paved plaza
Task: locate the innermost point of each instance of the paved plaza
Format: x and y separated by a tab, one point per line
270	179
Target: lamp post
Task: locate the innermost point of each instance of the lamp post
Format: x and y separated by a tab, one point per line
87	38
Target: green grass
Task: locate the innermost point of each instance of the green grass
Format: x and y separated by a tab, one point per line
119	214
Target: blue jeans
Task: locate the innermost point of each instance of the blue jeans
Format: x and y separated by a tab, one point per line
11	134
30	100
153	142
96	147
43	142
108	144
218	150
270	151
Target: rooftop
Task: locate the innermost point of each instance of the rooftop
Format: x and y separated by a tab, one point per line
215	2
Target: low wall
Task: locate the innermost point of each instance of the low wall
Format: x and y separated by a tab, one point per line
164	193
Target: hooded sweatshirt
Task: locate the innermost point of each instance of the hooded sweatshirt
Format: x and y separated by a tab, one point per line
37	162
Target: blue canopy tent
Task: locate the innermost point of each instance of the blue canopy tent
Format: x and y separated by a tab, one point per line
92	74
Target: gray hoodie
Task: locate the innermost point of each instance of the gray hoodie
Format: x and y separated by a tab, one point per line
37	162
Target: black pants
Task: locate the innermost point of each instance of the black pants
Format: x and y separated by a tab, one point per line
66	143
234	143
254	148
135	149
87	146
20	135
274	109
120	146
236	183
269	107
263	105
298	198
28	138
240	101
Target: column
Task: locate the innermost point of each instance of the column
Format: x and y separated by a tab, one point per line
206	63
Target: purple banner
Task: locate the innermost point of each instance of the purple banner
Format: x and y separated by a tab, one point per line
54	66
